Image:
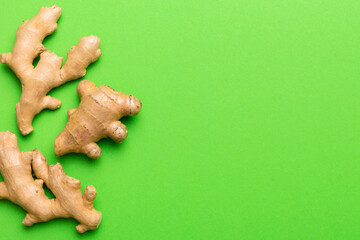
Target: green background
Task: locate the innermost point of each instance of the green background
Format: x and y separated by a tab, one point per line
249	127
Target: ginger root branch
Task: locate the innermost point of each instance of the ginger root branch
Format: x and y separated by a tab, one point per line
20	187
96	117
48	74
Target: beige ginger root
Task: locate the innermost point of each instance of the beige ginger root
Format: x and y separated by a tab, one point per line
20	187
48	74
96	117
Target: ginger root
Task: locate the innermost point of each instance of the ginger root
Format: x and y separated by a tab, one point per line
48	74
96	117
20	187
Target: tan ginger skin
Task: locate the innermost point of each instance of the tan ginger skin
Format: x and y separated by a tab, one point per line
96	117
20	187
48	74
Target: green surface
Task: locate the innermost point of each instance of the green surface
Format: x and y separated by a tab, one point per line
249	127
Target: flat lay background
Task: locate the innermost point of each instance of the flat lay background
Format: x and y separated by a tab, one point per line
250	127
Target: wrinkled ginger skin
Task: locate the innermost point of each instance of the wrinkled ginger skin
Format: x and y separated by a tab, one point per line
20	187
96	117
48	74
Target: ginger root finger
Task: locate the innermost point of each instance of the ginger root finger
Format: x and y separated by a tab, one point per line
48	74
89	196
85	88
92	150
71	111
20	187
79	57
96	118
117	131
